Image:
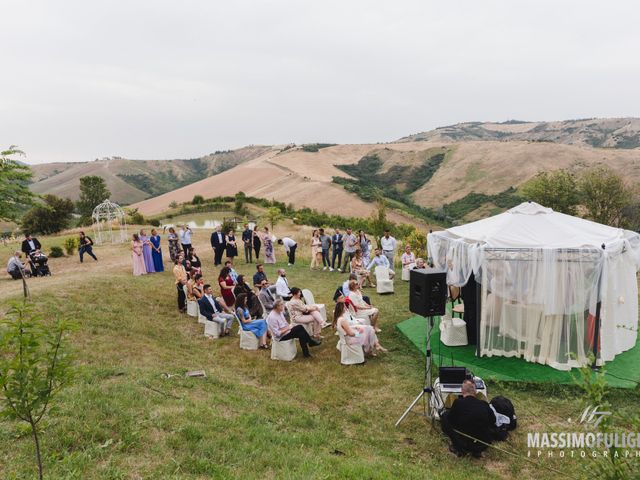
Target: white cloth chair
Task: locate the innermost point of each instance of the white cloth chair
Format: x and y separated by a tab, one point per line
406	272
193	310
362	317
309	300
284	350
349	354
211	329
248	341
453	331
384	284
201	318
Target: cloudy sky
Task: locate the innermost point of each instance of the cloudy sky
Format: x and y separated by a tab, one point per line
156	79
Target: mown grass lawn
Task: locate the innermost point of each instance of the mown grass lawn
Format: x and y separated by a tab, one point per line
123	417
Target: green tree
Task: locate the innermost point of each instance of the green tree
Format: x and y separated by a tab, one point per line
49	217
273	216
557	190
604	195
197	200
15	195
93	191
34	366
379	222
418	242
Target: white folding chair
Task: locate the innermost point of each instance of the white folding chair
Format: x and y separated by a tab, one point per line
309	300
349	354
211	329
284	350
406	272
193	310
248	341
453	331
384	284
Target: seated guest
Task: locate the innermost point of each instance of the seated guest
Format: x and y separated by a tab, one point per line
191	285
259	276
213	311
281	330
381	260
354	332
282	285
420	263
258	327
195	260
345	287
198	287
302	313
358	267
471	416
15	267
232	272
355	295
226	287
266	297
408	258
252	300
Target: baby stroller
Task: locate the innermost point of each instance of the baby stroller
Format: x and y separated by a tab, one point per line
38	262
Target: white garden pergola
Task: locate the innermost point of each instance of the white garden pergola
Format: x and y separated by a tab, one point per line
109	223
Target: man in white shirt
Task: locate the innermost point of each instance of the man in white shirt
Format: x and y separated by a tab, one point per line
350	246
388	244
290	247
380	260
282	285
185	238
15	267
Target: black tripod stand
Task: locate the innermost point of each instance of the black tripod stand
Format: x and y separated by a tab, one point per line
427	389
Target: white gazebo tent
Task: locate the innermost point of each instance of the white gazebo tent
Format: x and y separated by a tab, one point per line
552	288
109	223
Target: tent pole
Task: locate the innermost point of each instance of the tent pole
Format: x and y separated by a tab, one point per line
478	316
596	328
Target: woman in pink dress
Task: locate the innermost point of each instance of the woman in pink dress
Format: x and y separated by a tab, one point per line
354	332
316	251
137	257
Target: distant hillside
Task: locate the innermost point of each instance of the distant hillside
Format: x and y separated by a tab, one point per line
599	133
133	180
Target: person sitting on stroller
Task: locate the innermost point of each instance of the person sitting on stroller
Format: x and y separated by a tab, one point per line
15	267
38	261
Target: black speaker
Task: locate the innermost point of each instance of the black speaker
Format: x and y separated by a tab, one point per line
427	292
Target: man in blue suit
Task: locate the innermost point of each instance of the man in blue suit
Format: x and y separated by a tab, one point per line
213	311
219	245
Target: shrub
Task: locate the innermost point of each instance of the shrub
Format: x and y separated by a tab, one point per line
197	200
173	204
155	222
70	244
56	252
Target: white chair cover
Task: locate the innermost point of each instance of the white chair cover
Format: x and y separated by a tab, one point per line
193	310
383	283
309	300
211	329
349	354
453	331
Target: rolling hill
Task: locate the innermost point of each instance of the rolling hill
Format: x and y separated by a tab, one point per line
133	180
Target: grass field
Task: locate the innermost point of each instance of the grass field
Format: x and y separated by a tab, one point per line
251	418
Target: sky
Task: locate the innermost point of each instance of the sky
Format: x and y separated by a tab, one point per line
156	80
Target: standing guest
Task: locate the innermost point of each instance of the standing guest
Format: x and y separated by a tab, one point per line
252	299
15	267
180	275
174	244
366	252
232	271
281	330
350	247
30	244
316	250
219	245
85	245
136	256
408	259
259	276
226	287
258	326
269	252
355	295
325	244
247	240
388	244
194	260
363	242
185	237
472	417
257	243
266	299
282	285
358	267
380	260
156	251
214	312
290	247
337	241
232	247
354	332
146	252
302	313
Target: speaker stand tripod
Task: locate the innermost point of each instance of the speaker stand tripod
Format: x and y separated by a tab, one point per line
427	389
